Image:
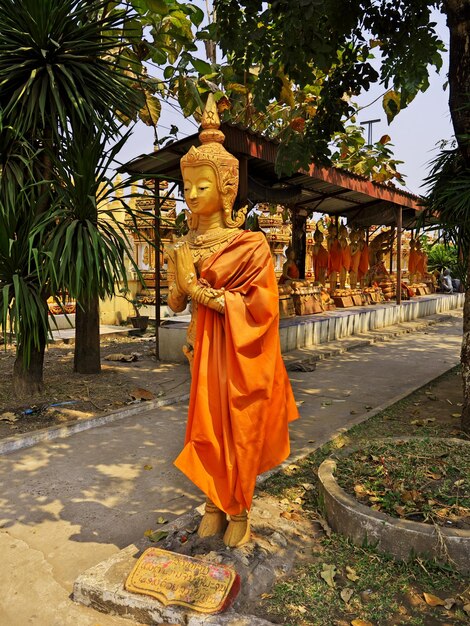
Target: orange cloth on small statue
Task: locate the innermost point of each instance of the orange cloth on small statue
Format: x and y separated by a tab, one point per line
355	260
320	261
421	262
364	262
335	257
293	271
241	399
413	261
346	257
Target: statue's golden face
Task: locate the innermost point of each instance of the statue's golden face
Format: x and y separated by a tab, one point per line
201	191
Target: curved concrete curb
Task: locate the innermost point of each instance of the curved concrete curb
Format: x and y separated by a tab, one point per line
398	537
26	440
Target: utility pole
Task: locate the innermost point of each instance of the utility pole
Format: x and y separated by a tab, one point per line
369	123
211	50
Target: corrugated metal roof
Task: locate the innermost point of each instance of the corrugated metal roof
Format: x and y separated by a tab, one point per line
323	189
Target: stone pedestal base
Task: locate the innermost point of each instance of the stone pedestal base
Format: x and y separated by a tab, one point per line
270	554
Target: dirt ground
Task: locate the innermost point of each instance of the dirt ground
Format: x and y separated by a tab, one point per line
68	396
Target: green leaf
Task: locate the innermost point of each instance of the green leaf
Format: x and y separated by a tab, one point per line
188	95
391	104
201	66
169	71
157	6
150	112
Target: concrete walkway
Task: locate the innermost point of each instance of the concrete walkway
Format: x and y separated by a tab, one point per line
67	504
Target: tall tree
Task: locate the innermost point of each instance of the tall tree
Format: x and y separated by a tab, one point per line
338	37
67	66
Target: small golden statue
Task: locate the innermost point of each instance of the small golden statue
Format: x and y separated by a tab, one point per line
241	400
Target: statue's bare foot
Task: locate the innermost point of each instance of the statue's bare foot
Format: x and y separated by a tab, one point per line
214	521
238	530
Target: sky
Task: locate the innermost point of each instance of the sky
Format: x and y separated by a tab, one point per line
415	132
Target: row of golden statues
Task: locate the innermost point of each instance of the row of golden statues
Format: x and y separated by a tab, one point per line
347	259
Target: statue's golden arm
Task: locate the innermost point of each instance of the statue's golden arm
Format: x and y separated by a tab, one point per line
186	283
210	297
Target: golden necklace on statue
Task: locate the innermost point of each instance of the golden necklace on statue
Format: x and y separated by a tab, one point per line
205	245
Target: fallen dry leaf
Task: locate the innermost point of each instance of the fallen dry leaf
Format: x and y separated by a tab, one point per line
346	594
360	490
351	574
265	596
456	415
291	515
138	393
324	524
308	486
466	608
118	356
361	622
161	520
449	603
155	535
8	416
328	573
410	496
459	483
433	600
434	475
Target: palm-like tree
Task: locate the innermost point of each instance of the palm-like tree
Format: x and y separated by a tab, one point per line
448	204
61	71
86	244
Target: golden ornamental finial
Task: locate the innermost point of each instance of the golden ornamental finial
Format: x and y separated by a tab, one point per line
210	117
211	123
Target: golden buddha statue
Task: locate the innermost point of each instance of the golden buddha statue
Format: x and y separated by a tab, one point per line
241	400
355	258
320	256
335	256
345	255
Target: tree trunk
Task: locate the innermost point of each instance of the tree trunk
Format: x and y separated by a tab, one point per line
458	21
28	379
87	337
465	354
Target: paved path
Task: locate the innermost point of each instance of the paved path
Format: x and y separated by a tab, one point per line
67	504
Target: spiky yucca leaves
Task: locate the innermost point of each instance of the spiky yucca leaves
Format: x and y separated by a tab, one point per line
23	309
60	65
87	246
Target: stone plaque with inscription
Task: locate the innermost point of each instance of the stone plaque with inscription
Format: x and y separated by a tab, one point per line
178	579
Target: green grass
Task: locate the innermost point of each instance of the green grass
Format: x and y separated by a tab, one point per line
386	592
380	594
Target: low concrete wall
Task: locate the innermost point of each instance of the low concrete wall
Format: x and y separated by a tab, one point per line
310	330
62	322
398	537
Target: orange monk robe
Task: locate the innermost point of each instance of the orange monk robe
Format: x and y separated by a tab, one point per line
335	257
292	274
421	262
320	261
413	261
241	400
293	271
364	262
355	260
346	257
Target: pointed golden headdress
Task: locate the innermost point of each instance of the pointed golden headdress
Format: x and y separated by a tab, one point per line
212	153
